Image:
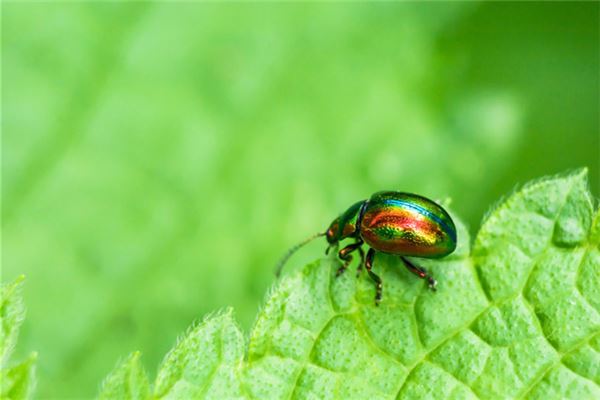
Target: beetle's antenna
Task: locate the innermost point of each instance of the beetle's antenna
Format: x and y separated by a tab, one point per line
292	250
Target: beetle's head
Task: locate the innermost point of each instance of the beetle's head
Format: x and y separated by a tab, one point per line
333	234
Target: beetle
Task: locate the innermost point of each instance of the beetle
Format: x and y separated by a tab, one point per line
398	223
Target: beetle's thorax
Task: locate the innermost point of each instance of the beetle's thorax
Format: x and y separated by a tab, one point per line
359	219
347	224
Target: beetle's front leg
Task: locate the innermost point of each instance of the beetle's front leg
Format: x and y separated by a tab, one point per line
362	261
345	255
374	276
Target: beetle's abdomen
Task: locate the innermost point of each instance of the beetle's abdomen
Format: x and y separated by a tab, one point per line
407	224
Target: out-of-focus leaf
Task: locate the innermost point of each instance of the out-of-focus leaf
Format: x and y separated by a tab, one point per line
12	313
18	381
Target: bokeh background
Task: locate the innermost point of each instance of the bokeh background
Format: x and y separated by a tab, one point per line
158	158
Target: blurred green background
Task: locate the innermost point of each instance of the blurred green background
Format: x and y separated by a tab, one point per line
158	158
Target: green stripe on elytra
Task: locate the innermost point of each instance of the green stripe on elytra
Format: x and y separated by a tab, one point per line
424	211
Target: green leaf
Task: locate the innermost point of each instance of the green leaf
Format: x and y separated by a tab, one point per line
16	382
127	381
518	317
205	363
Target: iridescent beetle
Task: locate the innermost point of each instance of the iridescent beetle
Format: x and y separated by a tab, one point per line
404	224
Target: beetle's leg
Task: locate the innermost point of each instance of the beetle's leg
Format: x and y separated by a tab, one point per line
362	261
345	255
374	276
421	273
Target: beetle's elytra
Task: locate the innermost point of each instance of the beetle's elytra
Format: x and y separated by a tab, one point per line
399	223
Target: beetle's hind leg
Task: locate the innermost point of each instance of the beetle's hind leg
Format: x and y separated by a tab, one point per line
344	254
421	273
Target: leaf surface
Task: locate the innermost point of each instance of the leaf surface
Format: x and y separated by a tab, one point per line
127	381
205	363
515	317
